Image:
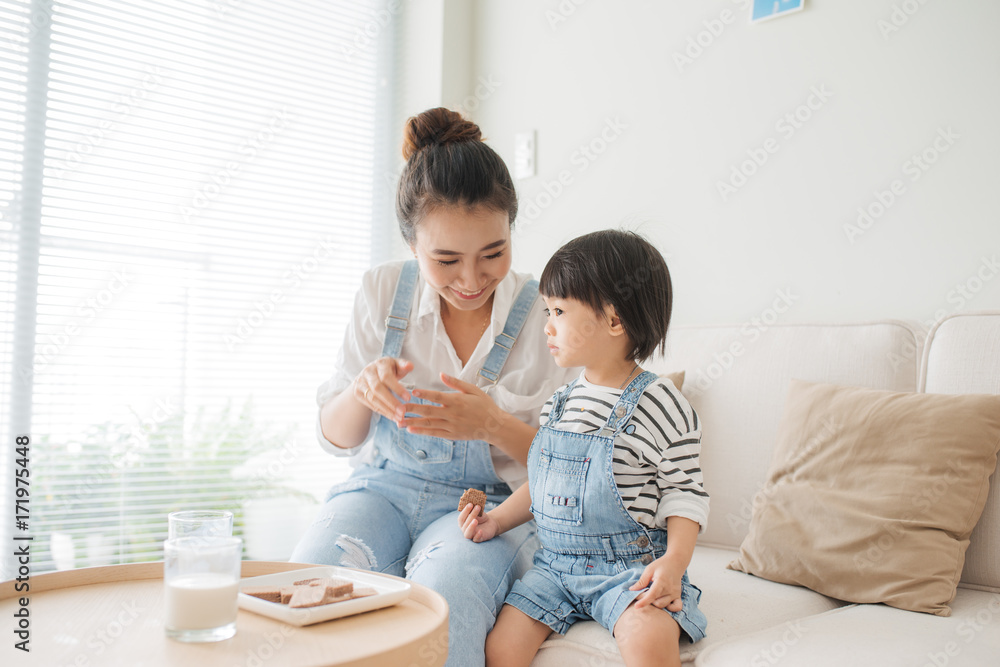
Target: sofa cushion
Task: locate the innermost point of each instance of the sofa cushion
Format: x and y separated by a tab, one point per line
734	603
963	356
737	380
872	495
677	377
873	635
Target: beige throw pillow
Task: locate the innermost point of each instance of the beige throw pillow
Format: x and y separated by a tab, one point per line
872	495
677	378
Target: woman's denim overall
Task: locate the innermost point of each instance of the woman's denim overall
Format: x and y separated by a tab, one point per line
402	508
592	549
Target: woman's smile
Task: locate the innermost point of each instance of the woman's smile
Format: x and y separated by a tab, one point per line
468	295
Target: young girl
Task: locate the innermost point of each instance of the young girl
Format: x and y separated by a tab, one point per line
612	471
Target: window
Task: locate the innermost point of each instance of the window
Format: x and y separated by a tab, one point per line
187	191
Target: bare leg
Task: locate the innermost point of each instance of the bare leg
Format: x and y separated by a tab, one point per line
515	638
647	637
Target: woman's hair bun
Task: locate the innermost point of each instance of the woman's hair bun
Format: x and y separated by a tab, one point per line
437	126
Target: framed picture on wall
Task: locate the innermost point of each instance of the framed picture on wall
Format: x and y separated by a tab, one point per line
769	9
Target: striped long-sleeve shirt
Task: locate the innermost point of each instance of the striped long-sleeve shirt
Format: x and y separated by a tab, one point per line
657	467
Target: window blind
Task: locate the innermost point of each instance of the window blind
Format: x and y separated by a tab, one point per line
198	200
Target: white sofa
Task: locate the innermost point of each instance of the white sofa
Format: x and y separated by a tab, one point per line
740	398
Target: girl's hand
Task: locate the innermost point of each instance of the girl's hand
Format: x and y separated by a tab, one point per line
378	387
478	528
663	576
464	414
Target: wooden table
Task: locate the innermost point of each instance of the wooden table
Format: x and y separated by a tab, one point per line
114	616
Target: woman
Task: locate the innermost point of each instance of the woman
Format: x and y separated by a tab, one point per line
444	369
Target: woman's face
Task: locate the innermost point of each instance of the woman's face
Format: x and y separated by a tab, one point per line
463	253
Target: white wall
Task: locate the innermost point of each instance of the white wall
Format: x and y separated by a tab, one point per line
683	128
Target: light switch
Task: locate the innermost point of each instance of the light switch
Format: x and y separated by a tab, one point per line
524	155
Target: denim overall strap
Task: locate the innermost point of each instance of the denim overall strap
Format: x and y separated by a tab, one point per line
503	343
402	301
622	412
559	403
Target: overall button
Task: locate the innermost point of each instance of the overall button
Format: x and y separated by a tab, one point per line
642	542
620	411
646	559
420	454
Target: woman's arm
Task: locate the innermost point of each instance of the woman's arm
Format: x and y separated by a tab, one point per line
345	421
346	418
513	437
468	414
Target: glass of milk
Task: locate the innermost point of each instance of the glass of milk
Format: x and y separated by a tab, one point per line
201	580
190	523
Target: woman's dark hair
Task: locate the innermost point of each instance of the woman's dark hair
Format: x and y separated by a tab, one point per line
447	164
621	269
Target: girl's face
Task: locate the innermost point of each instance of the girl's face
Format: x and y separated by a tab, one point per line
578	336
463	253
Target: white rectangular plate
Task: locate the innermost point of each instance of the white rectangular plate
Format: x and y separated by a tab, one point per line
389	592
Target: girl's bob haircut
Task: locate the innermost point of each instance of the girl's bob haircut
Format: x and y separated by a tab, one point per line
620	269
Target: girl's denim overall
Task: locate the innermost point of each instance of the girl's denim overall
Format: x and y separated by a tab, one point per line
592	549
402	508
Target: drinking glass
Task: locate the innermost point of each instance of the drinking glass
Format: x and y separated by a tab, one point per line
201	579
207	523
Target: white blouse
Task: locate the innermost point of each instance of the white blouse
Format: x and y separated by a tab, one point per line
528	379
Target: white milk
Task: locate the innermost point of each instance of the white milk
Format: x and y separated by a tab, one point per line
201	601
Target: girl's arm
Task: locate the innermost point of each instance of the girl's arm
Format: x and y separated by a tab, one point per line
511	513
683	534
663	575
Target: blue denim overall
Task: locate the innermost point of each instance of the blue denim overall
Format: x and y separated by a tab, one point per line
592	549
402	508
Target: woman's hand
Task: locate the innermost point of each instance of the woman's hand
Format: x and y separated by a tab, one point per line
465	414
378	387
478	528
663	576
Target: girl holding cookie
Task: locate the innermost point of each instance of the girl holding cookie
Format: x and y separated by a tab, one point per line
438	386
613	471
